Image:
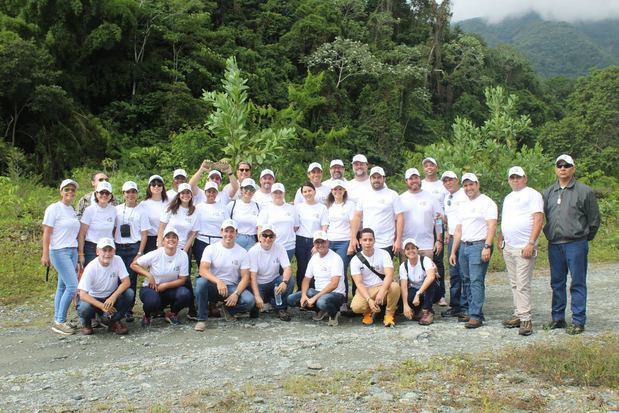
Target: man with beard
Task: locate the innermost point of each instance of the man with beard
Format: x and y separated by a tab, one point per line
263	195
359	187
336	169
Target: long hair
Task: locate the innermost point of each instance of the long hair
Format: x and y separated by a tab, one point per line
331	198
149	193
176	204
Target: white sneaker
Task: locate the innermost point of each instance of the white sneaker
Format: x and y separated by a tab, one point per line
319	315
200	326
62	328
442	302
333	321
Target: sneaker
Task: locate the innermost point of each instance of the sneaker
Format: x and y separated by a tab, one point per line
473	323
146	320
333	320
344	308
129	318
451	313
62	328
172	318
226	313
74	323
554	324
417	315
388	320
200	326
86	329
368	318
118	327
319	316
283	315
526	328
192	317
427	318
511	322
575	329
95	323
442	302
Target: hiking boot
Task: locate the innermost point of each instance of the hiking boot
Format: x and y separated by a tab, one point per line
254	312
62	328
333	320
427	318
473	323
118	327
368	318
226	313
526	328
511	322
146	320
86	329
283	315
319	316
417	314
554	324
575	329
442	302
172	318
200	326
192	317
451	313
463	318
129	318
388	320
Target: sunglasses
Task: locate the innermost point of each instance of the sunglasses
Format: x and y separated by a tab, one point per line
104	179
244	169
268	235
68	189
564	166
105	193
156	184
249	188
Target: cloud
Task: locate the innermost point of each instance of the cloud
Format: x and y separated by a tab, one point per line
564	10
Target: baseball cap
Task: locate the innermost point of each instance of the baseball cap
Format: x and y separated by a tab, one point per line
214	172
449	174
335	162
129	185
470	176
359	158
568	159
515	170
69	182
267	172
179	172
228	223
104	186
211	185
429	159
184	187
105	242
170	230
410	172
320	235
248	182
154	178
278	186
409	241
337	182
313	166
267	227
377	170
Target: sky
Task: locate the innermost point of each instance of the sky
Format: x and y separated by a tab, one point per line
565	10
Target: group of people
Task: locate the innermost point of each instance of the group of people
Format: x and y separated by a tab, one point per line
244	236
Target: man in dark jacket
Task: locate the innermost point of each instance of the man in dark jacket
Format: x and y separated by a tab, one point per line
572	220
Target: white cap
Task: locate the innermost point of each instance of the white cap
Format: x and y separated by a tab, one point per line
267	172
313	166
516	170
278	186
155	178
228	223
210	185
449	174
337	182
248	182
409	241
336	162
566	158
377	170
104	186
69	182
129	185
184	187
470	176
179	172
410	172
105	242
169	230
267	227
320	234
214	172
429	159
359	158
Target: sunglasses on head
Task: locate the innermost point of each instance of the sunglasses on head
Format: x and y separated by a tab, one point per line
564	165
268	235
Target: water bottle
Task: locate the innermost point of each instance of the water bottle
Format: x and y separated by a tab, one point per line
438	225
278	297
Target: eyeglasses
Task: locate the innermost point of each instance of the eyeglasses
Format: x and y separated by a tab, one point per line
244	169
156	184
68	189
268	235
337	188
104	179
249	188
449	199
105	193
564	166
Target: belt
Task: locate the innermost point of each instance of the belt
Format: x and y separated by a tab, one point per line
127	245
481	241
210	237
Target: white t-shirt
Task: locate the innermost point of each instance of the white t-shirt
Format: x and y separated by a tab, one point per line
416	274
379	261
101	282
183	223
137	220
358	190
163	267
340	216
379	213
199	197
210	217
517	216
63	219
436	188
266	263
262	199
226	263
452	203
100	222
171	193
420	209
472	215
284	219
245	215
322	269
311	218
153	210
228	188
322	193
329	181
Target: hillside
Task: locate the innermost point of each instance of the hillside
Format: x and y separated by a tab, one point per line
554	48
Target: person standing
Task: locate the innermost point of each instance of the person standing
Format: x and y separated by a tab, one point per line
314	175
244	211
89	198
263	195
572	220
336	171
154	206
98	221
359	186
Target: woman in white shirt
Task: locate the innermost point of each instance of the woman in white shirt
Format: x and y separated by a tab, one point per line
245	212
312	217
97	222
60	229
211	214
282	217
154	205
417	284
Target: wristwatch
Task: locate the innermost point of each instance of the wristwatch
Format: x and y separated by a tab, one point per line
487	246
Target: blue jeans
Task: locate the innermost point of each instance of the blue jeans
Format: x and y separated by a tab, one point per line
572	257
473	271
206	290
153	301
330	302
128	252
246	241
268	294
457	301
87	311
303	252
341	249
64	261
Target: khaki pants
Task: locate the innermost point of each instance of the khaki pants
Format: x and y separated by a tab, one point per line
359	305
520	271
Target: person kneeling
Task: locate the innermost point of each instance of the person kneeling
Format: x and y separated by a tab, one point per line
417	284
372	272
100	290
326	267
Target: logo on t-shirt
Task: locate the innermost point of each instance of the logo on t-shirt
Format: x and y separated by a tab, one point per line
177	268
236	263
114	274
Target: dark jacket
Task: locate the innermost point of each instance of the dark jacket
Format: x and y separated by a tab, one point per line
572	213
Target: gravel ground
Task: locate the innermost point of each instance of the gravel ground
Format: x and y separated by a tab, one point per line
174	368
